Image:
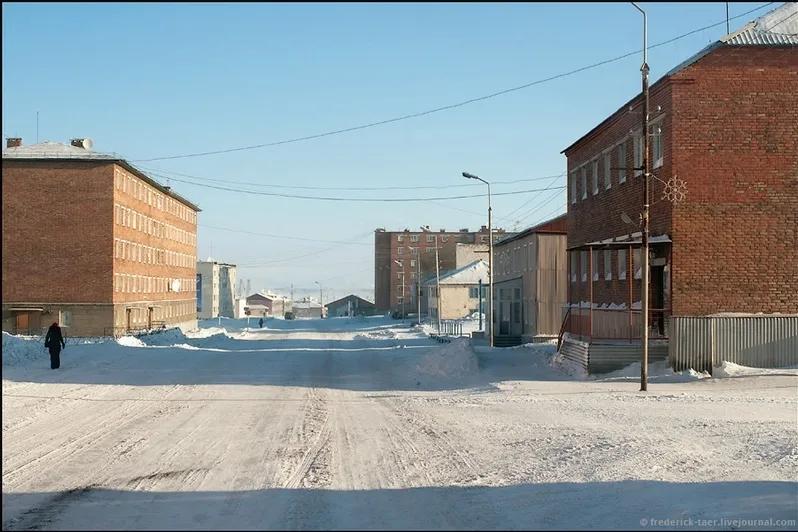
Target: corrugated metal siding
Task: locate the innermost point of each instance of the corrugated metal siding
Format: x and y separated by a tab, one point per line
756	341
552	284
575	352
604	358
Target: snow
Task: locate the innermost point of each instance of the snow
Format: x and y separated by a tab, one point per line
731	370
367	423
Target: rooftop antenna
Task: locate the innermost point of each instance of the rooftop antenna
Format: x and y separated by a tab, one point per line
727	18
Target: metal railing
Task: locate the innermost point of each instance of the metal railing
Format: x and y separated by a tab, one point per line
613	324
116	332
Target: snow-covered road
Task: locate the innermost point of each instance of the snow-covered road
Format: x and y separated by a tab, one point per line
320	424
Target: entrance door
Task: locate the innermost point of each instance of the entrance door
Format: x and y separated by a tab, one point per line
23	323
128	318
658	298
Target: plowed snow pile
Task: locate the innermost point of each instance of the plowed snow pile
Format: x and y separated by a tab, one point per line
19	349
453	360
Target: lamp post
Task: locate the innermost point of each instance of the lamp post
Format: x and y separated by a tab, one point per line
646	173
401	265
489	321
418	287
437	279
321	301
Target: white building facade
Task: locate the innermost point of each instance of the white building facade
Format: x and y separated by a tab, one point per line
216	290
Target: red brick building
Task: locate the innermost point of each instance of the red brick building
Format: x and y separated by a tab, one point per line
415	251
725	122
92	242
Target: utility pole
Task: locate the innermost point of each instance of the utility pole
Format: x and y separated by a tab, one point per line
418	287
438	284
646	173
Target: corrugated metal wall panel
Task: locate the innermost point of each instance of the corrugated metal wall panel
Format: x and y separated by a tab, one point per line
604	358
756	341
575	352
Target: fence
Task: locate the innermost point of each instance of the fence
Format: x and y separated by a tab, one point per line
614	324
760	341
155	327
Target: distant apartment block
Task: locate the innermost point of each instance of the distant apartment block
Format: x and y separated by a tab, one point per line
413	253
93	243
215	290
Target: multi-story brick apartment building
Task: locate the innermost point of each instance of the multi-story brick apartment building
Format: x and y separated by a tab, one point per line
94	243
415	251
725	122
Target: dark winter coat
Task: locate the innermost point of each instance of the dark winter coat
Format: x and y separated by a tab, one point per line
54	338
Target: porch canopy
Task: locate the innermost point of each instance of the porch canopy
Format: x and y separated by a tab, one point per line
635	240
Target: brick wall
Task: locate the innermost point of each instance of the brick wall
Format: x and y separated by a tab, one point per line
57	231
735	138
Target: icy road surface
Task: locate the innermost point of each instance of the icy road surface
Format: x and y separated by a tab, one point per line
323	424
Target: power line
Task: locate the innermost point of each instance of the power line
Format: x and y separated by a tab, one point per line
446	107
337	198
537	207
531	199
166	173
344	242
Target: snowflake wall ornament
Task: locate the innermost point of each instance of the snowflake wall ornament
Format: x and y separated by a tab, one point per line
675	190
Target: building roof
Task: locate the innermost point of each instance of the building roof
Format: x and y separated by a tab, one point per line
556	226
350	296
56	151
776	28
306	304
469	274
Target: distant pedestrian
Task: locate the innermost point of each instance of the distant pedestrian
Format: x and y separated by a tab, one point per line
260	323
54	341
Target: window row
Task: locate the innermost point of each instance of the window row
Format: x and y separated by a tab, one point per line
607	264
127	217
136	252
411	275
137	188
145	284
612	165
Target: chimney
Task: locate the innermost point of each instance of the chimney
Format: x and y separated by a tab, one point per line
13	142
86	144
483	229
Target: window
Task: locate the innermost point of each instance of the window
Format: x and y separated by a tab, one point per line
430	239
583	260
572	186
412	264
473	292
399	251
584	182
638	269
656	145
516	312
594	170
607	265
621	149
638	149
398	276
622	264
400	238
444	239
414	238
607	170
573	266
595	266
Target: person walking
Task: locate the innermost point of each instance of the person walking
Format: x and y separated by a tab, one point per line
260	323
54	341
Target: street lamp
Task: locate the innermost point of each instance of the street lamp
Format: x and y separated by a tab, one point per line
437	279
646	172
489	321
321	301
403	288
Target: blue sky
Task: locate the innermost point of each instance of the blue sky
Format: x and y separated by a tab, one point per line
153	80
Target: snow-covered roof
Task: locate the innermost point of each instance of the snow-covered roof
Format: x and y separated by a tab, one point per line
634	240
469	274
55	150
306	304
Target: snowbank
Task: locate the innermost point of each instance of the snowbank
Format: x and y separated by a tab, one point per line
451	361
165	338
659	371
130	341
730	370
21	349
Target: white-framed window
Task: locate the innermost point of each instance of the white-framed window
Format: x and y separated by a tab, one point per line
636	265
607	170
594	167
595	267
583	265
398	276
622	264
656	145
430	239
638	153
572	186
400	250
583	175
573	266
412	264
621	154
607	265
414	238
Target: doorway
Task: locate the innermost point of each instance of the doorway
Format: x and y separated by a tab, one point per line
658	298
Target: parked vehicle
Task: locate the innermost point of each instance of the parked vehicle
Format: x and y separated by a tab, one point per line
289	316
